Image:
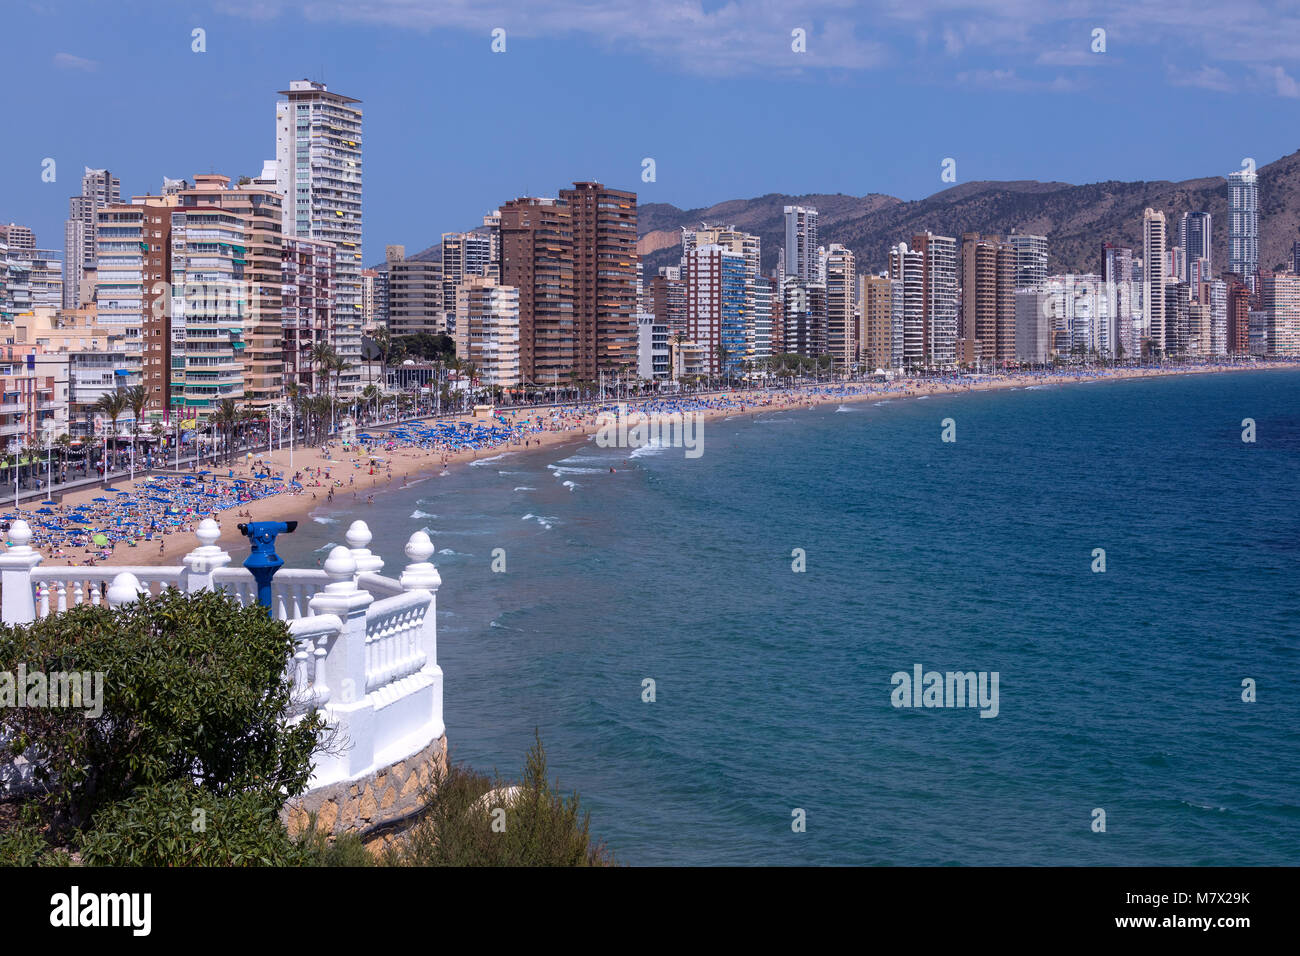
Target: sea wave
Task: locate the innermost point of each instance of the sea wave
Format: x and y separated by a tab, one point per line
417	514
654	448
484	461
524	488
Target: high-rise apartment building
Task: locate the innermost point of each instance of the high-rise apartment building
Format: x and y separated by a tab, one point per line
33	278
464	254
99	188
132	292
776	315
1155	238
1279	300
841	293
368	277
306	310
604	278
801	243
668	299
18	238
1031	259
1213	295
537	259
487	330
1178	303
1194	236
988	299
415	294
1238	308
1243	224
907	267
204	350
804	317
881	301
318	174
258	270
1117	273
715	305
749	246
939	301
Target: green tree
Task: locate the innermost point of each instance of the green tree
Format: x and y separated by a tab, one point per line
112	406
472	820
195	694
136	398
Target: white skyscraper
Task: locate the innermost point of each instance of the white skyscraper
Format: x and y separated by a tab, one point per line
99	188
318	172
1243	223
801	260
1155	238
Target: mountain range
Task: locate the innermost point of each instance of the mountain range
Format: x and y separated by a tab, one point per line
1076	219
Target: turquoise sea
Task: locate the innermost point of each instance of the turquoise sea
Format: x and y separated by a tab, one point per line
1119	690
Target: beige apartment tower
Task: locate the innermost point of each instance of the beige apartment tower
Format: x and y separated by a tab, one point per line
988	300
487	330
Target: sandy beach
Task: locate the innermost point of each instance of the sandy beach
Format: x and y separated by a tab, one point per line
354	479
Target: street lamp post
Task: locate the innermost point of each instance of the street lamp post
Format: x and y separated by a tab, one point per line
16	446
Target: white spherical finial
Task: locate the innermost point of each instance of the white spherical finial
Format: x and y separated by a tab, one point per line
208	532
420	547
20	533
359	535
124	589
340	565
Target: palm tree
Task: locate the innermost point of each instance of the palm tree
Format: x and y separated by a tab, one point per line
322	353
371	393
136	398
113	405
721	351
64	444
383	340
224	420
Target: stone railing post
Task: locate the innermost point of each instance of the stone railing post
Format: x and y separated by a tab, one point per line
358	539
203	560
349	708
17	600
420	574
423	575
125	588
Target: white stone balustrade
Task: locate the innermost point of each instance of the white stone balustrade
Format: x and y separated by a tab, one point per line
365	645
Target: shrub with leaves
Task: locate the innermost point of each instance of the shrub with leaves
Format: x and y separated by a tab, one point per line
473	820
195	692
180	824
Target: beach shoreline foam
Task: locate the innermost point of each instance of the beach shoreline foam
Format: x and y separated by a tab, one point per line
352	474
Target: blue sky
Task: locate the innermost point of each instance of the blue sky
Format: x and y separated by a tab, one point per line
712	91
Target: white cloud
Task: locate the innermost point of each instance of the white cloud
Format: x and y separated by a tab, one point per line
67	61
1011	81
1252	37
1282	83
1206	77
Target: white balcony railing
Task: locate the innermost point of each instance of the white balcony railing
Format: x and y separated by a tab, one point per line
365	645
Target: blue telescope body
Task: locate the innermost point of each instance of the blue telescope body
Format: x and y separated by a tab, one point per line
264	562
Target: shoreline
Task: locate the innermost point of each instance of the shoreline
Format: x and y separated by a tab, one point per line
351	471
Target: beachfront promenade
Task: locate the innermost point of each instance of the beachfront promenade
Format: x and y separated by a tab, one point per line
365	655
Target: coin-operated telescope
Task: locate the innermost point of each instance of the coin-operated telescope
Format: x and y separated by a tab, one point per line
264	562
